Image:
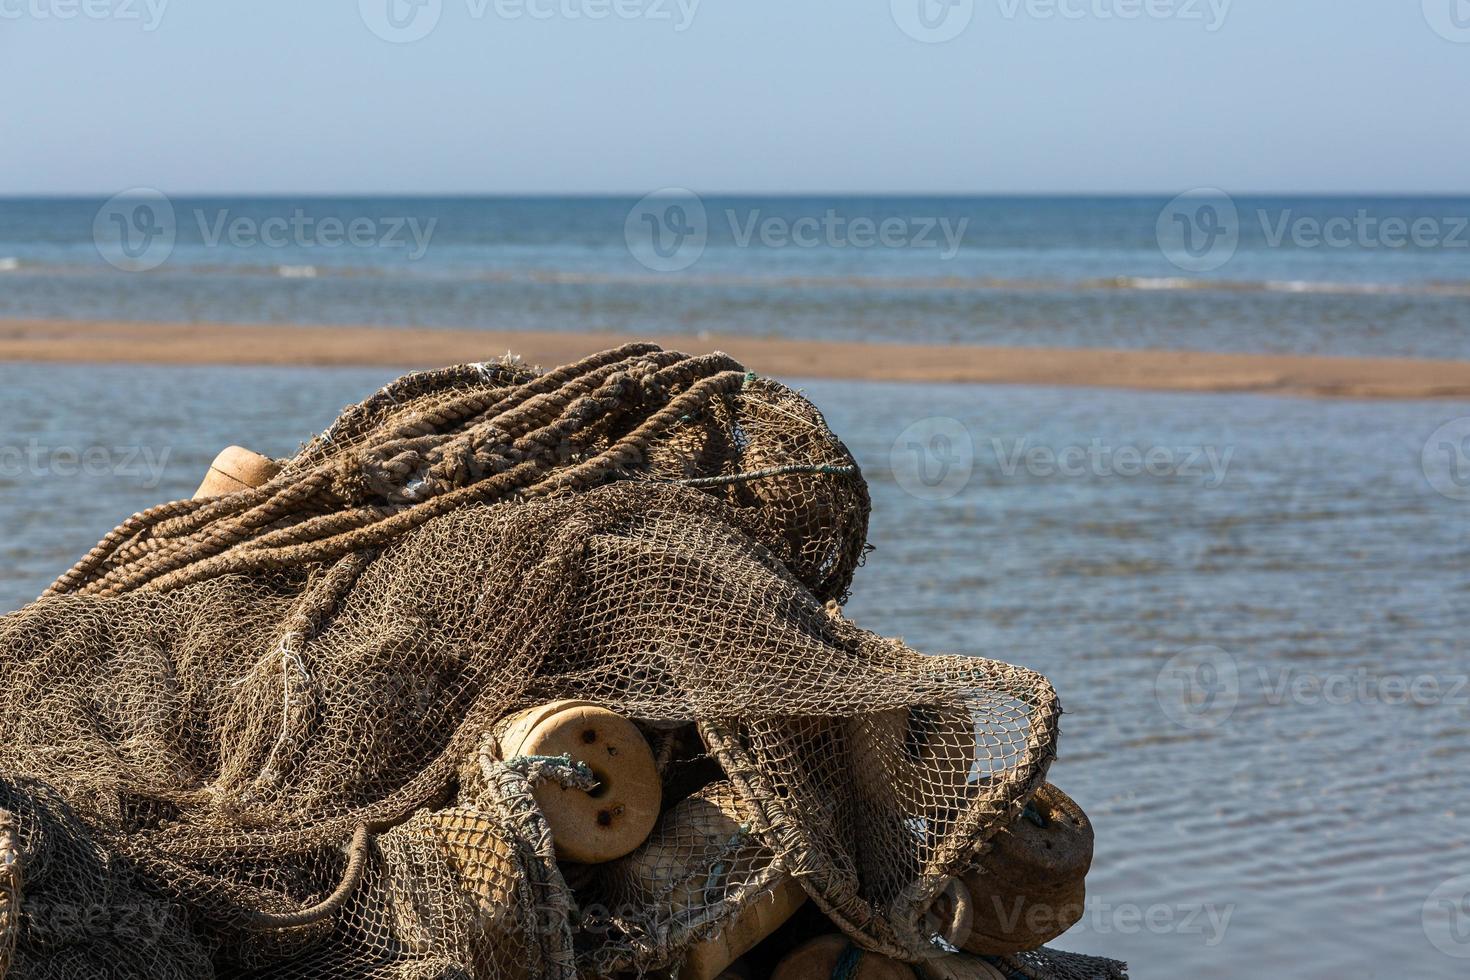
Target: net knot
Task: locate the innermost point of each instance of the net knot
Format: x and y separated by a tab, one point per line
395	478
350	483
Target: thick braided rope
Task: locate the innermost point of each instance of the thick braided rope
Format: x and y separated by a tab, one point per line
357	859
575	427
182	520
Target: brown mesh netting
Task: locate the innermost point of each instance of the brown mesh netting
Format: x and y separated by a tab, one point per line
250	736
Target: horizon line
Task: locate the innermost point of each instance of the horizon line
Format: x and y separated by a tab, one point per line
635	194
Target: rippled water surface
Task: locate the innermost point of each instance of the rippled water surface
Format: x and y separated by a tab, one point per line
1286	560
1025	271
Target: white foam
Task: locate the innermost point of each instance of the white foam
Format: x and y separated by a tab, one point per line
1303	286
1159	282
296	271
1343	288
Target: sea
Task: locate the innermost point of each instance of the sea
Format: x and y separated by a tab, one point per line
1255	609
1386	276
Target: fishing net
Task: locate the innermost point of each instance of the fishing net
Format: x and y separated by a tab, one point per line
247	736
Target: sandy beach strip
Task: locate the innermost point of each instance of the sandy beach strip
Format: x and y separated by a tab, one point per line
341	346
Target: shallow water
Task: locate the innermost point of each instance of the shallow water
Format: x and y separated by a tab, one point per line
1295	825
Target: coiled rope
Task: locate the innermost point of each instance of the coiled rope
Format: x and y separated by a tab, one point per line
361	484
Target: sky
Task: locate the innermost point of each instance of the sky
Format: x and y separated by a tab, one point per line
759	96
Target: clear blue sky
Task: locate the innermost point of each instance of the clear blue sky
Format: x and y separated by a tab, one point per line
752	95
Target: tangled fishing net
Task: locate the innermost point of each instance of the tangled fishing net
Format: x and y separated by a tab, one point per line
246	736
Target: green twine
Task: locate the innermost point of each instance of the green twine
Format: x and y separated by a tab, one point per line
565	759
847	964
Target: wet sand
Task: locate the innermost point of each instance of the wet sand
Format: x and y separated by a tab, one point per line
339	346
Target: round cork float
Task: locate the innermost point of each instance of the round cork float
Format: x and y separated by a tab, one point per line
915	759
820	957
701	850
617	815
1032	885
236	469
712	957
1049	845
1009	921
478	851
